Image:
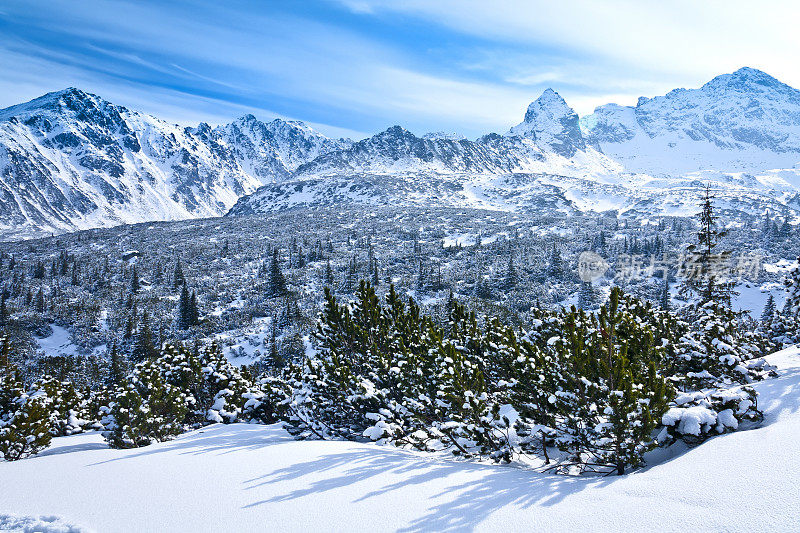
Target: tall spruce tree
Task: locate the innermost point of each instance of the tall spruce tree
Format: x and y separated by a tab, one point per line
768	312
4	315
276	282
178	279
134	284
186	313
144	344
706	269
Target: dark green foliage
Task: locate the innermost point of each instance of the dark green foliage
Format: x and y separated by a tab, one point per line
24	416
613	396
180	389
187	312
276	282
144	343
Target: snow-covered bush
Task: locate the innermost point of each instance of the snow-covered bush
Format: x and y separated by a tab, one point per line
715	353
266	402
68	414
181	389
24	416
695	416
24	427
598	387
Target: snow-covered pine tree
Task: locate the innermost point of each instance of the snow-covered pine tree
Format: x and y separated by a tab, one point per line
66	404
4	314
117	367
276	282
586	296
143	342
555	265
135	284
186	312
664	296
714	352
145	409
24	416
178	279
704	271
768	312
792	307
613	396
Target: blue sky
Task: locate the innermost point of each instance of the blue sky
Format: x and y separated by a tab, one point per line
355	67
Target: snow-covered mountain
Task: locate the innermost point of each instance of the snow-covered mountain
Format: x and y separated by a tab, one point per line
552	124
271	151
742	122
71	160
548	140
740	133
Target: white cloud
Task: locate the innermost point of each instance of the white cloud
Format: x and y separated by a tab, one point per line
691	39
216	65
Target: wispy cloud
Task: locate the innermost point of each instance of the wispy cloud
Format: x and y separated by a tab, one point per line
357	66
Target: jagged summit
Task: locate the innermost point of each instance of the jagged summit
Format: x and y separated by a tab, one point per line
69	99
552	124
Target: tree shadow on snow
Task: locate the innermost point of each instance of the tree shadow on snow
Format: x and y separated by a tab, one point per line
73	448
462	504
780	394
219	439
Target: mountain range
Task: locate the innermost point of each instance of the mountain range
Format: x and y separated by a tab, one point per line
70	160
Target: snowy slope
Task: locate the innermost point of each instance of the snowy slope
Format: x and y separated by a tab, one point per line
746	121
271	151
248	478
71	160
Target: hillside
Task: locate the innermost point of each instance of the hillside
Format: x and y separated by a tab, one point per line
246	477
71	160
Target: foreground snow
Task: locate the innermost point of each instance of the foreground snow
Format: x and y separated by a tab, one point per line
245	477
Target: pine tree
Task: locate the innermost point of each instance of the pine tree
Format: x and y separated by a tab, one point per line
555	267
4	315
134	284
66	405
351	277
24	416
144	345
116	372
187	314
274	356
616	395
178	278
40	307
705	263
792	306
511	278
194	311
664	298
769	311
328	274
276	282
586	296
75	281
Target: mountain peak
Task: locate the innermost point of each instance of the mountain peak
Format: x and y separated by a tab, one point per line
747	79
552	124
394	131
549	100
71	97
